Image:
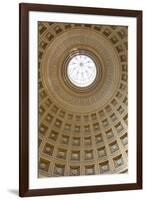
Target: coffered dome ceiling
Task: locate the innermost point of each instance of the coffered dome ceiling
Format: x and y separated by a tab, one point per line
82	85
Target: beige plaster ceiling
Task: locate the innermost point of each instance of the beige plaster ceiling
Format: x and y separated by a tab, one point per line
82	131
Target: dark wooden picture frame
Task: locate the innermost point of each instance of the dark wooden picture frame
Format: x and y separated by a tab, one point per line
24	9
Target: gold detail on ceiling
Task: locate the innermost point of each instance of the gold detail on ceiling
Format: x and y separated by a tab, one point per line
82	132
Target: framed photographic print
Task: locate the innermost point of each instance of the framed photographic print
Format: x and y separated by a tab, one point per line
80	99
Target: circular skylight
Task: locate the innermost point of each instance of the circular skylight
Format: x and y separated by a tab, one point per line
81	70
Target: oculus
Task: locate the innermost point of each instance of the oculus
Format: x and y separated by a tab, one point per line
81	70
